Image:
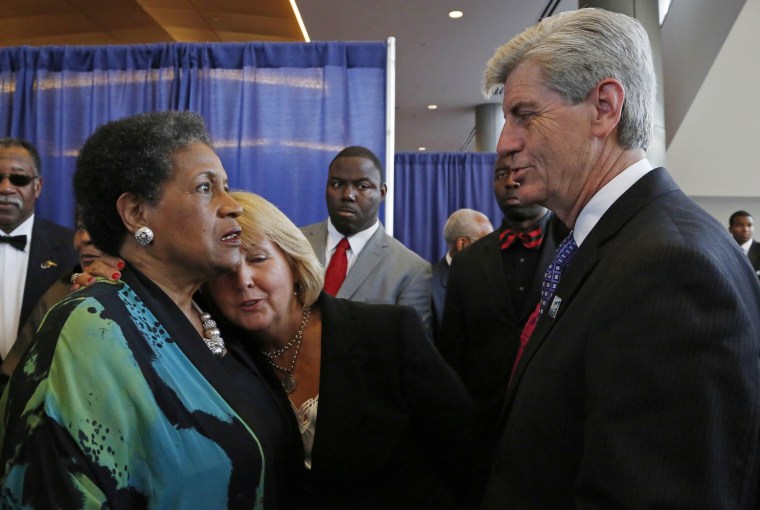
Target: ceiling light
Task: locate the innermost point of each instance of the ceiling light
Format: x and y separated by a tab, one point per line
423	148
456	14
432	107
300	21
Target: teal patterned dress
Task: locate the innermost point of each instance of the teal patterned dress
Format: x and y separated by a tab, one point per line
119	404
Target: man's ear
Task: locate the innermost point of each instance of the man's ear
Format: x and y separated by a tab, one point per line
383	191
462	243
37	187
131	208
608	98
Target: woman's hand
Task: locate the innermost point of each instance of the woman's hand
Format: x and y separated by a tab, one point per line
106	266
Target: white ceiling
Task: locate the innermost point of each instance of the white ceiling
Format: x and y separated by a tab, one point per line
438	60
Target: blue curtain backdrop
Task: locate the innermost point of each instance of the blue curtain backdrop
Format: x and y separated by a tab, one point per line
277	112
430	186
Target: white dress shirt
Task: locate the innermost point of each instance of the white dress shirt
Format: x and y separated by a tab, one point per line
357	242
746	246
605	197
13	264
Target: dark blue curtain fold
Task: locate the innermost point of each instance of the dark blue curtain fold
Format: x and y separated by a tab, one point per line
277	112
429	187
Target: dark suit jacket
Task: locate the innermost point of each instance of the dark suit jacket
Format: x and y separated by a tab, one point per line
51	254
390	416
480	332
440	279
754	257
644	390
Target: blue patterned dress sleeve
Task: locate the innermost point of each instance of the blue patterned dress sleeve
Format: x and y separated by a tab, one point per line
107	411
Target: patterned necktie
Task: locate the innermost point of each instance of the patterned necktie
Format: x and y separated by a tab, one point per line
562	258
18	242
531	239
336	270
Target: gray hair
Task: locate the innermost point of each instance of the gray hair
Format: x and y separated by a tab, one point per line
578	49
463	223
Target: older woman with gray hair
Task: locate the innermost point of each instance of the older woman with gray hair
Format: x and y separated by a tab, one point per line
129	397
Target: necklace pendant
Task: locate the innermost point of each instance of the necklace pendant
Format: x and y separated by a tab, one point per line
211	334
289	384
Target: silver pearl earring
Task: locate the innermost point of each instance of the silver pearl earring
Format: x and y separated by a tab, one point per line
143	236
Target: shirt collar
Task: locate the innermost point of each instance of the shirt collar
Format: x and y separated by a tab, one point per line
24	229
746	246
605	197
356	241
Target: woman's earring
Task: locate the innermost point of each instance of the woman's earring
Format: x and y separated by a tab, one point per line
143	236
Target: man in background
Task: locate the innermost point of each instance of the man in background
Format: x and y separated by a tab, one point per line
463	227
363	262
742	227
34	253
639	385
493	287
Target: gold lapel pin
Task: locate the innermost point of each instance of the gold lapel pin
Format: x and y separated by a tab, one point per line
48	263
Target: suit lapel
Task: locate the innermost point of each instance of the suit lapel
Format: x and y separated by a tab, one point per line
754	254
45	264
443	274
493	270
655	183
341	386
317	236
553	236
370	257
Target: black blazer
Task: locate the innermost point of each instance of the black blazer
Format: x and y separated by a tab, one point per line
391	413
440	279
480	333
51	254
644	390
754	257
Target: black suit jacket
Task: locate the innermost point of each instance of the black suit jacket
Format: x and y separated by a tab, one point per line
754	257
644	390
440	279
51	254
391	413
480	334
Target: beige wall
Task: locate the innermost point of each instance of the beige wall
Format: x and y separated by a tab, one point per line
712	153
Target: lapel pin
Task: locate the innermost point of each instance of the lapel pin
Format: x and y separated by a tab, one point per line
554	308
48	263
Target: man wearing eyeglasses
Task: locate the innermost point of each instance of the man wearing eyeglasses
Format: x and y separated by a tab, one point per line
33	252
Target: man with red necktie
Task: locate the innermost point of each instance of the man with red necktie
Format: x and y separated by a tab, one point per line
363	262
494	285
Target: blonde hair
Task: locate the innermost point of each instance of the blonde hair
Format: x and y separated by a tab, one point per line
263	220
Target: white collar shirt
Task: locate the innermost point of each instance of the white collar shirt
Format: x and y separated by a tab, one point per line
357	242
13	264
605	197
746	246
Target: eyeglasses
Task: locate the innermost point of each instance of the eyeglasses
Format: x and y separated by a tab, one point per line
18	180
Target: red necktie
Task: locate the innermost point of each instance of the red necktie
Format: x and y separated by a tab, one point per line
336	270
530	239
562	258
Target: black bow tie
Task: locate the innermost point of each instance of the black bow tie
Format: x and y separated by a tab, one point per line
18	242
